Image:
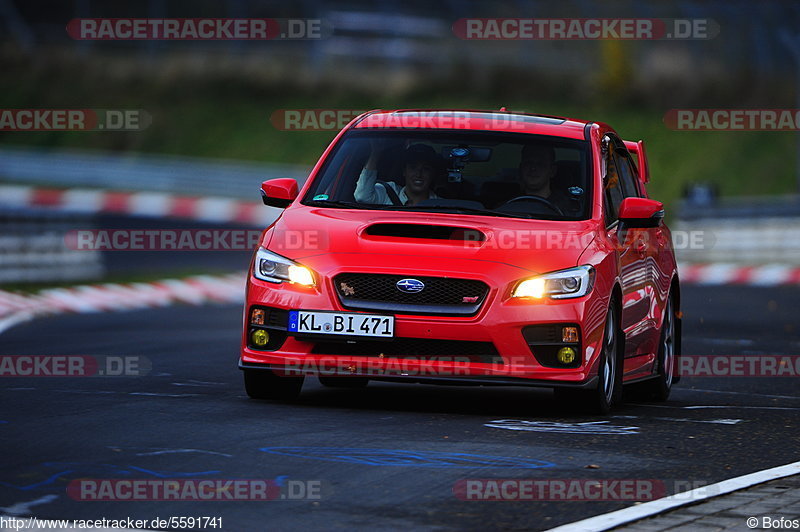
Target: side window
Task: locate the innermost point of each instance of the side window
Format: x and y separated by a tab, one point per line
626	174
613	191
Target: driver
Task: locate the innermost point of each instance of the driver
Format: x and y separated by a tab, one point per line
537	168
421	166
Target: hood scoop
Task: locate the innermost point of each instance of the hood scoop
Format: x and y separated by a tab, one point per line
423	231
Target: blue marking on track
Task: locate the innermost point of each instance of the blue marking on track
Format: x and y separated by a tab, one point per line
408	458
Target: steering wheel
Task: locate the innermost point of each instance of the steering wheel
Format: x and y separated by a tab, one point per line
540	199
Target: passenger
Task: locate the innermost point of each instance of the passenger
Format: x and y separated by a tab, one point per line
421	168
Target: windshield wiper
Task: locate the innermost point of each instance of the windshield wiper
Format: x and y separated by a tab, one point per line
466	210
336	203
399	208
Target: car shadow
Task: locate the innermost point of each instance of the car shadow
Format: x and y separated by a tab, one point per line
496	401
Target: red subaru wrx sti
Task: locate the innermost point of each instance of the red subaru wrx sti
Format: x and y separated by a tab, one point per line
480	247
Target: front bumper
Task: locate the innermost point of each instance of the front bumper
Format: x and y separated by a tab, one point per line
499	324
456	380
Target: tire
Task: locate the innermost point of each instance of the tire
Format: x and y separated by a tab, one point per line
608	392
265	384
658	389
344	382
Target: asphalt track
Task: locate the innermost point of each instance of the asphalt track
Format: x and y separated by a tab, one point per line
190	417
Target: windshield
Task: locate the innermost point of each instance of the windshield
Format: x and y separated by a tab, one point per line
483	173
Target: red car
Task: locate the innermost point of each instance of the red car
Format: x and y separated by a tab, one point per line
476	247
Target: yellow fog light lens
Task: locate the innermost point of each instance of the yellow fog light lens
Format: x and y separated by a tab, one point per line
566	355
260	337
569	335
530	288
301	275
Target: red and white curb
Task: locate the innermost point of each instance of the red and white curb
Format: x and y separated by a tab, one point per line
737	274
196	290
150	204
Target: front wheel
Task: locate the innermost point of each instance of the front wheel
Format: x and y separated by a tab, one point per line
658	389
608	393
265	384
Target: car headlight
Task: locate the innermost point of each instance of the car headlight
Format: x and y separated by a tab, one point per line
563	284
274	268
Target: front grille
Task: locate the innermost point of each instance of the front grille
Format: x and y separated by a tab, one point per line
276	317
441	295
416	348
542	334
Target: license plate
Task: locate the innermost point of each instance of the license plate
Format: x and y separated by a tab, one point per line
343	323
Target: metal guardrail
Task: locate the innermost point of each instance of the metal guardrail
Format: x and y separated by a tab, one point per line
191	176
739	230
739	241
368	33
740	207
33	247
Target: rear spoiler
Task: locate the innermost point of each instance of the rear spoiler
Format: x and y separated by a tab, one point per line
638	151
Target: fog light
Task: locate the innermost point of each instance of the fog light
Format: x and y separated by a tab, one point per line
257	316
566	355
260	337
569	335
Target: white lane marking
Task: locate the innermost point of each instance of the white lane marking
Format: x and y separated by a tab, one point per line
796	398
748	407
648	509
726	341
198	384
114	392
685	420
153	394
15	319
24	508
701	407
589	427
178	451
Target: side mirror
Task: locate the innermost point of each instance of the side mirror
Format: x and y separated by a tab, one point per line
641	212
279	192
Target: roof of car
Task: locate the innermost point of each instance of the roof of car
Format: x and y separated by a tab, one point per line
503	120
